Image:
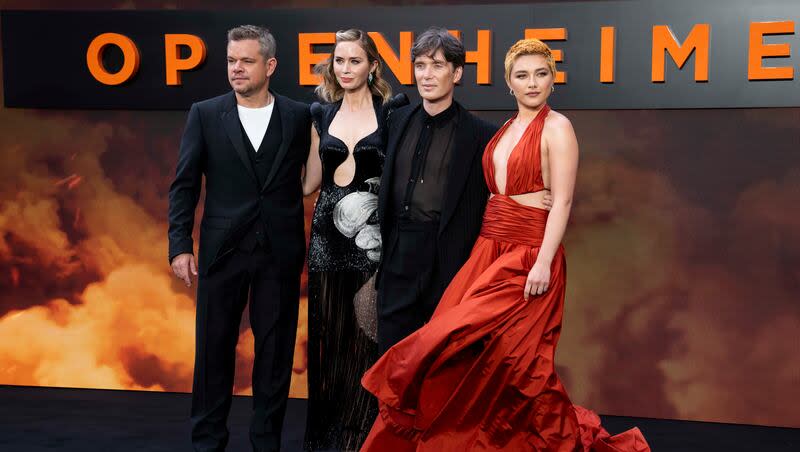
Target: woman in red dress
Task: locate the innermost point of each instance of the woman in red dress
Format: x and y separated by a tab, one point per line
480	375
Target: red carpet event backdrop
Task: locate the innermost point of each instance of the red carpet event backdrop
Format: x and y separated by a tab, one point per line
683	251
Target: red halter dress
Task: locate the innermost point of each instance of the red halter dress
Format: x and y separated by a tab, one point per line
480	375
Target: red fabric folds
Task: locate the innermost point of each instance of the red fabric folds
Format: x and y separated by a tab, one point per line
505	220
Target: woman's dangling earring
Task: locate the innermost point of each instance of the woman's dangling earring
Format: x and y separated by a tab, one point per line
511	91
552	88
369	80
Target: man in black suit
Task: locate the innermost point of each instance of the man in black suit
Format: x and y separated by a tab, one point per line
250	144
433	192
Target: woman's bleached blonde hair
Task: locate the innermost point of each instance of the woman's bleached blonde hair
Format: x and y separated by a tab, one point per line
529	47
329	90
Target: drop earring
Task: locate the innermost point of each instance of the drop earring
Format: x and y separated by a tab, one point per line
511	92
369	79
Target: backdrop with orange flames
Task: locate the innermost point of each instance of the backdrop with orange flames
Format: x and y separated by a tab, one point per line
683	251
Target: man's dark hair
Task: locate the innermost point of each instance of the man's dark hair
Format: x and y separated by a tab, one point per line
436	38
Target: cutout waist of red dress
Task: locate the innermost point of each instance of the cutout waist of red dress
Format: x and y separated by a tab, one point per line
506	220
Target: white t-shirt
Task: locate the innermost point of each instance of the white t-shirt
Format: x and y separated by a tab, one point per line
255	122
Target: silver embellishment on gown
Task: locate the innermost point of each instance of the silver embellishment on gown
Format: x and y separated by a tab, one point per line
369	239
351	216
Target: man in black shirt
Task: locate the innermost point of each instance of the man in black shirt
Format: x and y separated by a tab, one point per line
433	191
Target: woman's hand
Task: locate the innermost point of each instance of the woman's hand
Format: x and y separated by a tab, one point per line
538	280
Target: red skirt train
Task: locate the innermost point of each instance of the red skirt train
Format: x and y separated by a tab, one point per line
480	375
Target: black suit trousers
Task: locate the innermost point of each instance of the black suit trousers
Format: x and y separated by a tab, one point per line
221	298
411	283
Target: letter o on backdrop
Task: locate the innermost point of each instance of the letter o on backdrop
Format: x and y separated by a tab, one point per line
130	58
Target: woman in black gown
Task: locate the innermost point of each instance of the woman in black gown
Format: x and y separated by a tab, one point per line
345	163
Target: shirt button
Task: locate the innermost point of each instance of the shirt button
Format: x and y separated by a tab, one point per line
411	180
406	207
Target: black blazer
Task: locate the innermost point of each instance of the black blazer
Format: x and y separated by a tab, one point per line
212	146
466	191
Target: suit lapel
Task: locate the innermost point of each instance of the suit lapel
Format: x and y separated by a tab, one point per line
464	149
287	135
232	126
394	138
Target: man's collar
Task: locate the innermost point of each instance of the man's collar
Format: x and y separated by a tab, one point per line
442	117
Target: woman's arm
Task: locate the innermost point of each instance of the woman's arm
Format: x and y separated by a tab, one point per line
562	147
312	173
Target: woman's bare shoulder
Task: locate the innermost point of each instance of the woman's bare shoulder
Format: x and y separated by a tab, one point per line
557	122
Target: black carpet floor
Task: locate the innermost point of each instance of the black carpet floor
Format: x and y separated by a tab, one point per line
50	419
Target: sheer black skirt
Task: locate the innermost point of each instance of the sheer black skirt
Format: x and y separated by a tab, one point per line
340	411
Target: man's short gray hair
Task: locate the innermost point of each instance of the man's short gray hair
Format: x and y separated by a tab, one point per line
265	39
436	38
